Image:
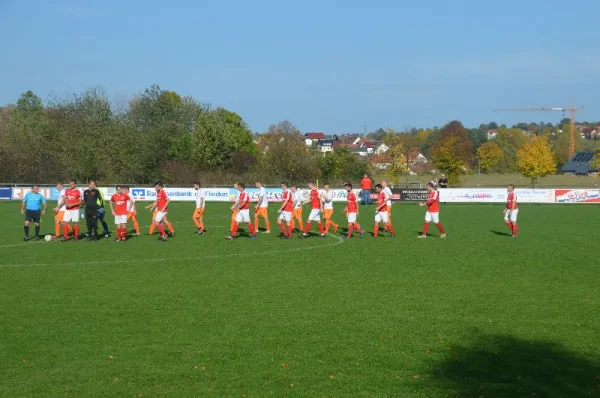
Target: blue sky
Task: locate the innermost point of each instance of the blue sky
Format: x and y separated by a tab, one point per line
332	66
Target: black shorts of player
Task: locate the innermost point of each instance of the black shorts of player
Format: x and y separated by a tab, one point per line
33	215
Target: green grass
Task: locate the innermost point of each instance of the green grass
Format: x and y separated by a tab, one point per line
477	314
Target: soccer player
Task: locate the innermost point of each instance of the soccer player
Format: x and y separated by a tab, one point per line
60	213
72	200
327	199
381	214
351	211
242	205
161	204
118	206
297	211
388	199
261	208
199	211
511	211
92	200
433	211
132	211
285	212
165	221
315	212
31	208
101	211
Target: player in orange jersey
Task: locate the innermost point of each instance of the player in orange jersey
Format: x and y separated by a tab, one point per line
285	212
297	209
262	208
327	198
165	221
131	211
511	211
351	211
242	205
315	212
59	212
381	214
433	211
162	208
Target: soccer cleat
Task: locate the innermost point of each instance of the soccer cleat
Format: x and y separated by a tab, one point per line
106	235
393	236
63	239
123	239
136	234
36	238
266	232
229	238
322	236
25	239
163	238
362	235
422	236
252	237
442	236
200	232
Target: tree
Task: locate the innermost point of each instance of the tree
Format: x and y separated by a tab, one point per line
490	155
453	151
395	155
561	143
509	140
536	159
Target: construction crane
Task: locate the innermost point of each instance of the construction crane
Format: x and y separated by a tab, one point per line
571	111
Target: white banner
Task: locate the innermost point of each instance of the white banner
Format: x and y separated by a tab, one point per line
495	195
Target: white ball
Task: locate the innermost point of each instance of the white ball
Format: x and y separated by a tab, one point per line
48	238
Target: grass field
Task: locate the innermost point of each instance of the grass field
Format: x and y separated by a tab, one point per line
477	314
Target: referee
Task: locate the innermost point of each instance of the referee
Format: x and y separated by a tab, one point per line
92	201
101	211
31	207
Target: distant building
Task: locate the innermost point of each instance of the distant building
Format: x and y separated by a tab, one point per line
310	138
325	146
491	134
580	163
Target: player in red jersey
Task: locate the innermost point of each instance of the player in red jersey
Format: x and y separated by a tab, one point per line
511	211
242	206
285	212
433	211
381	213
119	204
71	200
161	204
351	211
315	212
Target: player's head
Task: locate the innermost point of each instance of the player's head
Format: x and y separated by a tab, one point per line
241	186
257	184
284	185
429	186
35	189
158	185
73	183
326	187
348	186
511	187
126	188
119	188
383	183
311	185
294	188
91	184
236	185
378	187
196	186
60	186
366	175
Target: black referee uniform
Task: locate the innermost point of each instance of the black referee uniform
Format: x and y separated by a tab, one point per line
92	200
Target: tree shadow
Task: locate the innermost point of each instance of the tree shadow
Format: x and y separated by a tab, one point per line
505	366
500	233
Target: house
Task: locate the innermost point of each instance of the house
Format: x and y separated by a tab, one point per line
580	163
310	138
491	134
357	150
590	133
381	148
380	162
416	157
325	146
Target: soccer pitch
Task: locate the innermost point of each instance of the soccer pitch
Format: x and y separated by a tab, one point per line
476	314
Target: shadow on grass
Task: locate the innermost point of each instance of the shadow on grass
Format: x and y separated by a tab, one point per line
504	366
500	233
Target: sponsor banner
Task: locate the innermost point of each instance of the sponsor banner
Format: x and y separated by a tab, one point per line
5	193
577	196
472	195
530	195
413	195
18	193
180	194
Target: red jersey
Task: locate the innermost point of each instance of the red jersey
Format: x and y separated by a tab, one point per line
161	200
351	206
315	200
365	183
72	198
511	201
120	201
433	202
287	195
382	201
244	201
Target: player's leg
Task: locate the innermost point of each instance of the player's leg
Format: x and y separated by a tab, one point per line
88	223
320	225
153	223
195	218
246	219
267	222
283	228
26	225
101	217
256	214
513	220
58	217
376	225
298	217
388	223
507	220
201	220
168	224
436	221
94	225
428	219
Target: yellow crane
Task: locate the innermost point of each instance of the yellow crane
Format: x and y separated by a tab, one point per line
571	111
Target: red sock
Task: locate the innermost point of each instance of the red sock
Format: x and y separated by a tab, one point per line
251	228
76	233
290	230
283	230
350	228
321	229
234	230
389	227
425	228
515	229
358	229
161	229
66	231
123	233
307	227
509	225
440	228
375	230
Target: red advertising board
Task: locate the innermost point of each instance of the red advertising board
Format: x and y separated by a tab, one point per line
577	196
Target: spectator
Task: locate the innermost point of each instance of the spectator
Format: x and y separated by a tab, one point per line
434	182
365	185
443	182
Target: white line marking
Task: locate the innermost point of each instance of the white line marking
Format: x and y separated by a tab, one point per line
339	241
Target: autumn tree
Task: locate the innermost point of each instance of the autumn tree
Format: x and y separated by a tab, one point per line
453	151
395	155
561	141
536	159
490	155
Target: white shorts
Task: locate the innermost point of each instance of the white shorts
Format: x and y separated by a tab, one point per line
351	218
159	216
435	217
315	215
511	215
382	216
285	216
71	216
243	216
121	219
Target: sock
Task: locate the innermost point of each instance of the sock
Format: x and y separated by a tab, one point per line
161	229
201	225
358	229
152	226
76	232
321	229
268	224
118	233
389	227
256	223
509	225
293	223
136	225
375	230
252	230
66	231
105	227
283	230
350	228
290	230
234	229
515	229
26	229
232	223
335	226
56	229
96	232
307	228
425	228
440	228
37	231
327	224
170	227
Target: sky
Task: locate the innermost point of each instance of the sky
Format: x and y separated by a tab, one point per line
328	66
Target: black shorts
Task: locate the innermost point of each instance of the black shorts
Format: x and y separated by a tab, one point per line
33	215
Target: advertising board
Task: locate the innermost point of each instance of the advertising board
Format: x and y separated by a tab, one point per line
413	195
577	195
5	193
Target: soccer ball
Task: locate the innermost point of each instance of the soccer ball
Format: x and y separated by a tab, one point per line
48	238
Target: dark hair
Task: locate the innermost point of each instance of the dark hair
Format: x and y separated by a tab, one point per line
313	183
284	183
293	186
241	185
326	184
347	184
378	186
73	181
196	183
33	186
429	184
90	181
158	183
512	186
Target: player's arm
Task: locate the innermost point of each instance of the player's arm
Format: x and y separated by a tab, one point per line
101	199
112	209
61	201
23	203
45	205
283	204
258	203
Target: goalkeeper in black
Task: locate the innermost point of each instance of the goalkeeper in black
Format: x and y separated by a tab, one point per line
92	200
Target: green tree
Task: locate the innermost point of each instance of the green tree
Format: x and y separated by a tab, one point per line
453	151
